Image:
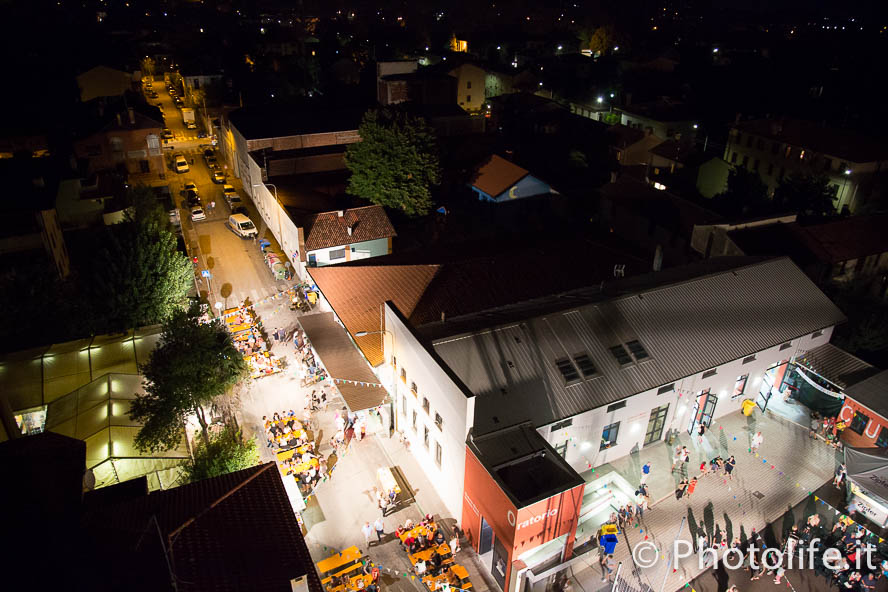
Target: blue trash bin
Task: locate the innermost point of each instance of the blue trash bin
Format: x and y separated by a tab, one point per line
608	542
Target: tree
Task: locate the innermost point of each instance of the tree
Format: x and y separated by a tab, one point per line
395	163
193	363
136	276
746	194
806	194
225	453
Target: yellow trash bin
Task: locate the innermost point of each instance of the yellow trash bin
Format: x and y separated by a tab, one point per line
748	406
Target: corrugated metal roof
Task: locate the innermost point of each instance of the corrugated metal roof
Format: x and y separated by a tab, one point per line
837	365
686	328
872	392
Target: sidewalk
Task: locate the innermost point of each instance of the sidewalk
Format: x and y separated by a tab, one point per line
788	466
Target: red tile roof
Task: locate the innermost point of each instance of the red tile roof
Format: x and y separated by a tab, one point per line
844	240
329	229
234	532
497	175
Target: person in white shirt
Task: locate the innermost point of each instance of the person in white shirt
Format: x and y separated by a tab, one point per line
420	567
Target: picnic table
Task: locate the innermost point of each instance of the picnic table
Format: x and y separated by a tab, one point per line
442	549
419	531
345	557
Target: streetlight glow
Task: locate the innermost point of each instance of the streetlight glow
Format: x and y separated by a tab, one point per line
847	171
600	99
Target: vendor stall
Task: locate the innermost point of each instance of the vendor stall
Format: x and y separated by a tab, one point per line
868	481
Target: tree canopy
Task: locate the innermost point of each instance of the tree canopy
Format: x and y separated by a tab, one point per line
136	276
395	163
746	194
193	363
226	452
806	194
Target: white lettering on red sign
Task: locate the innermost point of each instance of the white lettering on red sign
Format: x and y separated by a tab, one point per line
538	518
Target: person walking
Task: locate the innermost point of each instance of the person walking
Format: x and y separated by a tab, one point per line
680	490
839	476
380	529
676	460
691	487
729	467
645	473
608	565
367	531
704	468
756	442
701	431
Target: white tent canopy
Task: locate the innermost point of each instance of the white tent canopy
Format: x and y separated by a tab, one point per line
868	469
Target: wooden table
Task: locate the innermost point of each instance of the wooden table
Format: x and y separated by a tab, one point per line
443	551
418	531
288	454
463	575
334	562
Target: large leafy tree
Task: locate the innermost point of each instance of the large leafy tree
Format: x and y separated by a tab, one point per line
806	194
136	276
746	194
193	363
395	163
226	452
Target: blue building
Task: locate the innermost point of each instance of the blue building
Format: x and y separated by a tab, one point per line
500	180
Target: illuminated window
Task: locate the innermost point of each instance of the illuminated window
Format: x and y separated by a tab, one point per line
425	404
413	388
425	437
802	155
438	454
403	376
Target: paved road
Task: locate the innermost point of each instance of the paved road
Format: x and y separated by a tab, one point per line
237	269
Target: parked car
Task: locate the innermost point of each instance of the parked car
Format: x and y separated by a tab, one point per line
191	186
192	199
190	125
181	164
166	134
240	210
218	175
208	153
212	162
242	226
197	213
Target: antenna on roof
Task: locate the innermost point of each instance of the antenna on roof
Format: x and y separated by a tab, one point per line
619	270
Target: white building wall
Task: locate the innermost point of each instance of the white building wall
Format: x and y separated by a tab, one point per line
583	436
445	398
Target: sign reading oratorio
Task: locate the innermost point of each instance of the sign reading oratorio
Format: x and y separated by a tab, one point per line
538	518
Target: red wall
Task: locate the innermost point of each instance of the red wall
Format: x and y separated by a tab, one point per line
548	519
481	490
870	432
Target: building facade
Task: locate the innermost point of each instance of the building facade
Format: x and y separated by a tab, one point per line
130	140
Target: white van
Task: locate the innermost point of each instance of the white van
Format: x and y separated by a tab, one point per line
181	164
242	226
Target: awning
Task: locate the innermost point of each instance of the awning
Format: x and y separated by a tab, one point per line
868	469
344	363
836	365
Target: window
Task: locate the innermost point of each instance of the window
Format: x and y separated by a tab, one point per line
425	404
609	436
585	365
468	84
816	334
760	144
882	440
468	98
666	389
775	147
561	425
425	437
337	254
786	346
749	141
413	423
745	160
439	422
394	361
739	139
749	359
770	170
438	454
568	372
404	406
637	350
616	406
413	388
561	449
620	353
709	373
403	376
656	423
740	386
733	158
755	165
858	424
312	260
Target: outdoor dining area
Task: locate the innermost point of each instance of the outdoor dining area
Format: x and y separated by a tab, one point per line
294	451
246	332
431	556
348	571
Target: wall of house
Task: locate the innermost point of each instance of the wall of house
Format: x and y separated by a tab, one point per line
662	129
496	84
471	89
871	429
526	187
774	160
131	148
361	250
582	439
414	365
54	240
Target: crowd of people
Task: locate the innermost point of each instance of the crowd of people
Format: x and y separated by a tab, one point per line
828	428
295	448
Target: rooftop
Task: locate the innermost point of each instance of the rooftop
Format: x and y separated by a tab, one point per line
676	150
276	121
845	144
872	393
673	331
344	227
623	136
496	175
527	468
429	286
663	111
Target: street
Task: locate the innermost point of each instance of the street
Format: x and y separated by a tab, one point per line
236	266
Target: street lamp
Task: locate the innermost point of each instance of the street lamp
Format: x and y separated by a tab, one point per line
845	185
392	410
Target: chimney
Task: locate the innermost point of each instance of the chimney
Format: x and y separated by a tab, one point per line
350	228
132	116
340	213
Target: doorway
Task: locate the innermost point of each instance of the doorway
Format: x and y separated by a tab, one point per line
704	409
498	566
485	541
